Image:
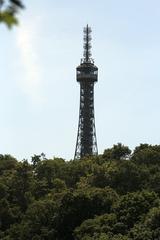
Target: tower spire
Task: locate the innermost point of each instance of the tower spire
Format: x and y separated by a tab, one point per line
87	44
87	75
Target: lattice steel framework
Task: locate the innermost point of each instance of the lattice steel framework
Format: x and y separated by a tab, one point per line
87	75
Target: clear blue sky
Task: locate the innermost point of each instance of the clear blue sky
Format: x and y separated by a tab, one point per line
39	100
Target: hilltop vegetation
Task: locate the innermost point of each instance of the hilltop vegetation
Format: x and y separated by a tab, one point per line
112	196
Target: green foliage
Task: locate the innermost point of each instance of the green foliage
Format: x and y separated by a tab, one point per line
124	176
147	154
38	219
7	163
117	152
49	170
21	185
112	196
8	11
140	232
132	206
91	227
80	205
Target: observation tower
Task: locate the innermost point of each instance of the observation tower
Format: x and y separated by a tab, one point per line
87	76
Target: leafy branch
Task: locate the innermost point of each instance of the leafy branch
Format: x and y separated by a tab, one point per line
9	10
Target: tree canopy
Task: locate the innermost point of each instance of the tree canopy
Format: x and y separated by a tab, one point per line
114	196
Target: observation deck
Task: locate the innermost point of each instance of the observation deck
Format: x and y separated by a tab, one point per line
87	72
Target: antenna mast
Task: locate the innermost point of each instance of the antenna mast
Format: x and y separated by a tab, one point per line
87	44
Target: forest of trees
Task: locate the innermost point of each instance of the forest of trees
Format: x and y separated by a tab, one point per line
114	196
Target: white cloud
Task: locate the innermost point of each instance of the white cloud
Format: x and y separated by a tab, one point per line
27	41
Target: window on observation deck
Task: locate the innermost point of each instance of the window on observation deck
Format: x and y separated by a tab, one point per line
96	72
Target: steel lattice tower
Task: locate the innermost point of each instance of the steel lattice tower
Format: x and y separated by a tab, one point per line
87	75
